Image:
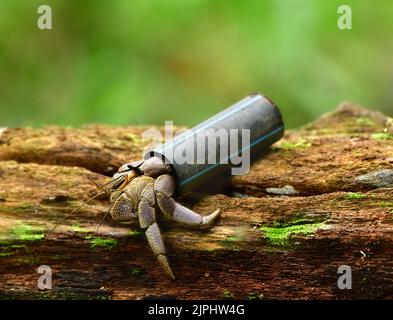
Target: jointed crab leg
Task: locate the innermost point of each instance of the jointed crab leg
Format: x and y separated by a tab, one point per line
154	237
147	221
164	187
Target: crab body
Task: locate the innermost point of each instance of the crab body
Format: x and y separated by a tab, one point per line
146	189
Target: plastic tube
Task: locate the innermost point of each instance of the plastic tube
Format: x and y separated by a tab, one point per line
203	152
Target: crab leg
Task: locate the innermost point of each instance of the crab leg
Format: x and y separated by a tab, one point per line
164	187
147	221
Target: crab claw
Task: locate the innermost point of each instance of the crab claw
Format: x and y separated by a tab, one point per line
187	217
208	220
164	188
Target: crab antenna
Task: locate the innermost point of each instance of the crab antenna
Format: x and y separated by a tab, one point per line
111	181
78	208
72	212
95	183
109	210
87	201
103	218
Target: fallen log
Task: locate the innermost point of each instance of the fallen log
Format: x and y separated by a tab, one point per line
322	198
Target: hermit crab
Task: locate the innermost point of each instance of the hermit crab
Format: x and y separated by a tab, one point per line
139	191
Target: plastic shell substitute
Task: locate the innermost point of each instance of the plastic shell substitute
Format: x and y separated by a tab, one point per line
228	140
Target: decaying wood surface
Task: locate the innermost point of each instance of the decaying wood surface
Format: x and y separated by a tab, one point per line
320	199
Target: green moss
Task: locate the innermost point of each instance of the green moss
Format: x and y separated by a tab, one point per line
101	242
281	235
133	138
17	246
6	254
69	294
102	297
61	257
355	196
324	131
382	136
281	231
8	249
385	204
43	296
366	122
301	144
299	219
25	205
27	260
26	232
9	246
78	228
255	296
136	272
134	233
230	242
287	154
227	294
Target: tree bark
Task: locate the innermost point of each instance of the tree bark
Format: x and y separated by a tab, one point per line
321	198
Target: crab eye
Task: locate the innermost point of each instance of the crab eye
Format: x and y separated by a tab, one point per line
136	169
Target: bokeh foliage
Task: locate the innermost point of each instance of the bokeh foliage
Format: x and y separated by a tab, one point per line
145	61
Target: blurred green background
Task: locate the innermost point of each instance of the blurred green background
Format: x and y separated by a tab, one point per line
143	62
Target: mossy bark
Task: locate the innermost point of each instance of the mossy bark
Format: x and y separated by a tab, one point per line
321	198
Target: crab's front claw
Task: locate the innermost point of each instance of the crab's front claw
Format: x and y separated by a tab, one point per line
187	217
208	220
164	188
154	238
